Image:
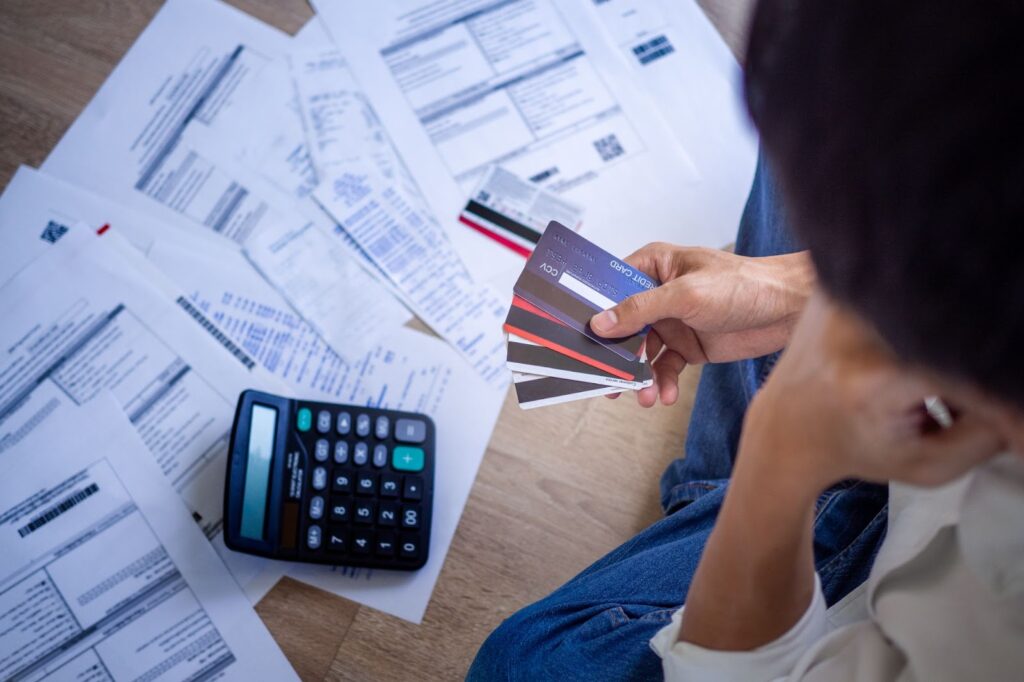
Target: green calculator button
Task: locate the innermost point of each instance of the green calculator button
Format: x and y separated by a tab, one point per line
406	458
305	419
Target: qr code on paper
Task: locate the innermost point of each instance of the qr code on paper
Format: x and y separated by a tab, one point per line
608	147
52	232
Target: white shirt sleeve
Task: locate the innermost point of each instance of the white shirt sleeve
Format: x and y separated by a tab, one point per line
685	661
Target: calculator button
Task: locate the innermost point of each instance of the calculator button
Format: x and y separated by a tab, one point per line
313	536
385	544
316	507
342	483
411	517
406	458
361	455
363	425
362	542
336	541
389	485
340	510
304	419
364	512
344	423
319	478
322	450
410	547
413	488
366	484
323	421
380	455
411	430
387	515
381	427
341	452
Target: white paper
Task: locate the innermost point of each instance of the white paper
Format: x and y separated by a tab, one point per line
105	576
339	123
262	128
423	265
680	60
463	84
91	315
184	71
324	283
37	210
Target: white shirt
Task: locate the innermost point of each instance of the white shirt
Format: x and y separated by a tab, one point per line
944	601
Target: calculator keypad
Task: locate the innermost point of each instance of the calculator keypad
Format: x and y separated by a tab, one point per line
380	455
342	482
363	425
359	459
316	507
319	478
410	430
367	504
341	452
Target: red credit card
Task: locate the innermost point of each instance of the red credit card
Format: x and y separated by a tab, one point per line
532	324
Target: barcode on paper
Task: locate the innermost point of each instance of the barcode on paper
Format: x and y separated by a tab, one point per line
609	147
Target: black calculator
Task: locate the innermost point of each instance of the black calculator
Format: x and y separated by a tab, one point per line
329	484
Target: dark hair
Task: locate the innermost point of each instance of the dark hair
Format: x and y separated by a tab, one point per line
896	132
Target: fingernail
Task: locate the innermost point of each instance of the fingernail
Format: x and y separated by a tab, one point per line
604	321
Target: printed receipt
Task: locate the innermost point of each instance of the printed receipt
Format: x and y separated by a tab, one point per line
414	254
321	278
339	123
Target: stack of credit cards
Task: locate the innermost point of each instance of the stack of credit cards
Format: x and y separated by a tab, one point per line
554	355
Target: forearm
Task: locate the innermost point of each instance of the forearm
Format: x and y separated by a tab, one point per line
756	577
792	280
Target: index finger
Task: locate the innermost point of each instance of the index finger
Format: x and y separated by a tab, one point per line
646	258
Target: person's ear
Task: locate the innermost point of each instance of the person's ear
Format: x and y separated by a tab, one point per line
1009	420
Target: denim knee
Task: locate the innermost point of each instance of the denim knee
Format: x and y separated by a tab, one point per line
508	649
572	642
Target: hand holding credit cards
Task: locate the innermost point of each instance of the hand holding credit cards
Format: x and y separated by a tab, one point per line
554	354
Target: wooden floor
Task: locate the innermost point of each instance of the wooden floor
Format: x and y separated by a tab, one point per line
558	488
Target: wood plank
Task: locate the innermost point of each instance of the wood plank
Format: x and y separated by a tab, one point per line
307	623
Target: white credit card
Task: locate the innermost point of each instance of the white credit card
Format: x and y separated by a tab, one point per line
538	391
515	212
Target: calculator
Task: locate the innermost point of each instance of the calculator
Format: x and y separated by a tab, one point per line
329	484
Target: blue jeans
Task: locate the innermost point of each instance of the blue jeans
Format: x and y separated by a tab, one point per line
598	625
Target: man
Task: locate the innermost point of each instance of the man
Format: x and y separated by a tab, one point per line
894	132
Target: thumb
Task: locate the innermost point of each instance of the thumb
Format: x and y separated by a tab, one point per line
634	313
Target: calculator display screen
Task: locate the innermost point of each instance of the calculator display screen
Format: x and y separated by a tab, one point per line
262	425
